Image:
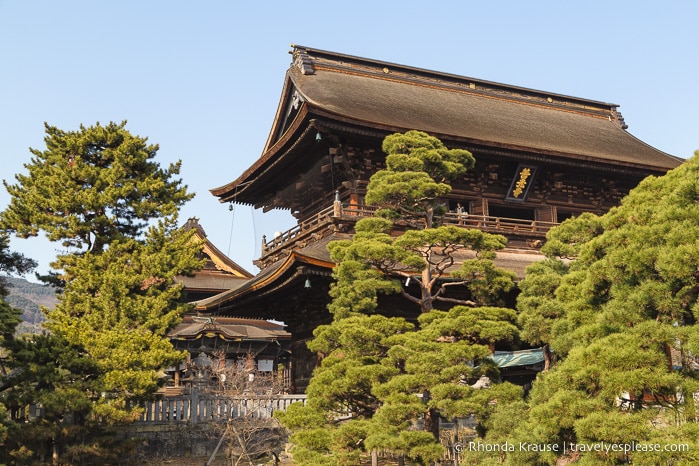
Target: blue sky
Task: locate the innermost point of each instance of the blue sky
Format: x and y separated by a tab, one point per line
203	79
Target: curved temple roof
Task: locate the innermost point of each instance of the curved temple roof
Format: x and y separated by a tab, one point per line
229	328
387	97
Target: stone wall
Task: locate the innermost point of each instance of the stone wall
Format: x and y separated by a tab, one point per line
162	441
171	441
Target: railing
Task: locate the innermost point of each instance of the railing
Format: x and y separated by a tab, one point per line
487	223
198	407
322	218
499	224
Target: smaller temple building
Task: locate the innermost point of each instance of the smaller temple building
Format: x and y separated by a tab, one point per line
218	345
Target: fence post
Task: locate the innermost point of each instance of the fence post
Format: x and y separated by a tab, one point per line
194	406
197	407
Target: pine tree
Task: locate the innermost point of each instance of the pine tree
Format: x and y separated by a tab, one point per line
118	306
99	193
381	375
410	192
16	263
621	314
10	262
91	187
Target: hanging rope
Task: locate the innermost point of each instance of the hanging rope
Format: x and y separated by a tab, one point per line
254	230
230	238
231	207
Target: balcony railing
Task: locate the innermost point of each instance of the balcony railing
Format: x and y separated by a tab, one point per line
344	212
501	225
306	226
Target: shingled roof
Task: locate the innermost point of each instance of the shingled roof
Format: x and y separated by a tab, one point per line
323	87
230	328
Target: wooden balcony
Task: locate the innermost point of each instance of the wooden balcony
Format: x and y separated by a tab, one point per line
500	225
305	227
343	213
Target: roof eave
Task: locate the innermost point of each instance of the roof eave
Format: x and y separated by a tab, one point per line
325	119
209	304
300	127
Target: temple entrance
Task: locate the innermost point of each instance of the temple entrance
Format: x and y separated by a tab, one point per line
505	211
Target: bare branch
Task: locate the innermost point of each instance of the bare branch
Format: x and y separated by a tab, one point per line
410	297
464	302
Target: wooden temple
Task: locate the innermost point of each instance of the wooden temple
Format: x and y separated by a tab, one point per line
541	157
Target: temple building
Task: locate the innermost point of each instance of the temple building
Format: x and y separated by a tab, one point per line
540	157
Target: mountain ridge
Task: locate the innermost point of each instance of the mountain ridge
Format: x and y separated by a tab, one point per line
29	297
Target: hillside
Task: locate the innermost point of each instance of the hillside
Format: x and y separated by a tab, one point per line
29	297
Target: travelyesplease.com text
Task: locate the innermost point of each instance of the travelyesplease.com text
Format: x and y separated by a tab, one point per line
605	447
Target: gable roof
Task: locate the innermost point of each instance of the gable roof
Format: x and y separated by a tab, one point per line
217	260
323	88
219	272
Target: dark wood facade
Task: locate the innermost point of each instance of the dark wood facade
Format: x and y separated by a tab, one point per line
540	158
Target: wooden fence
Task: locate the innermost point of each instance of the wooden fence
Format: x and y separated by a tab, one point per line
198	407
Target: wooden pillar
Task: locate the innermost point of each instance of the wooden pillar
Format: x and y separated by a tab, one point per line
337	206
354	203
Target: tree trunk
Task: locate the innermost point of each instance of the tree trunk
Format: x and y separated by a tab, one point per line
429	217
374	458
426	297
54	453
547	358
432	422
